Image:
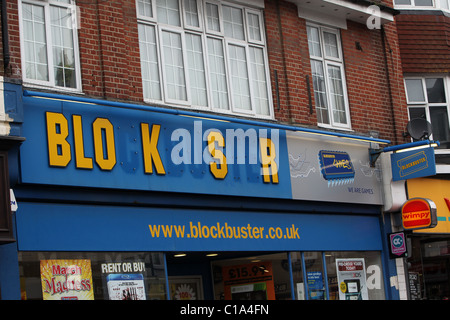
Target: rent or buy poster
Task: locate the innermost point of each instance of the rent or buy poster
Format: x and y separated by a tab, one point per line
67	280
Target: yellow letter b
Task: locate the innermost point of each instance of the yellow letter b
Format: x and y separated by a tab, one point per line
57	131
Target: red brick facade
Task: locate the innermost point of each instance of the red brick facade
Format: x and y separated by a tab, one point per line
110	64
424	43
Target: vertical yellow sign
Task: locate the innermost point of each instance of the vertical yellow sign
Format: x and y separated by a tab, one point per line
436	190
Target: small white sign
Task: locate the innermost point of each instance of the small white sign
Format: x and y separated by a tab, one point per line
12	197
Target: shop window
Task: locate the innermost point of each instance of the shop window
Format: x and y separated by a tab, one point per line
337	276
355	276
264	277
92	276
49	44
428	99
428	268
207	55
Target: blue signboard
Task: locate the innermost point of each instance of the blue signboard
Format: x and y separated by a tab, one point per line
111	228
413	164
92	145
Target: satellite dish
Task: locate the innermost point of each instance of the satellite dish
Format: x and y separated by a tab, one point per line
419	129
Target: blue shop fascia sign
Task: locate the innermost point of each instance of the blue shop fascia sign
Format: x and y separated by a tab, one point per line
102	144
99	144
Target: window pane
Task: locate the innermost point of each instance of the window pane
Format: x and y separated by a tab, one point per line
36	64
439	124
320	94
196	69
173	66
259	83
314	42
63	47
404	2
331	46
337	100
415	113
253	27
168	12
145	8
233	23
212	17
219	88
191	14
414	90
239	77
423	3
435	90
149	62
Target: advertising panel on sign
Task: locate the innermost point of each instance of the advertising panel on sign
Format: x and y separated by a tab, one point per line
332	169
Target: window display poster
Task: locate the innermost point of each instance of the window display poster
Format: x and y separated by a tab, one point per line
186	288
129	286
249	281
351	276
66	279
316	289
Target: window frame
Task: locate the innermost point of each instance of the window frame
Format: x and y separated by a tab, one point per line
205	33
436	5
143	17
336	62
425	104
165	96
199	13
413	5
46	5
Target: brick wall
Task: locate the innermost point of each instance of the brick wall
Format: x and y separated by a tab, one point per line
14	40
287	47
376	98
375	81
424	43
110	64
109	50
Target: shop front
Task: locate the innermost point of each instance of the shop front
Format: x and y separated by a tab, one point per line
127	202
429	258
